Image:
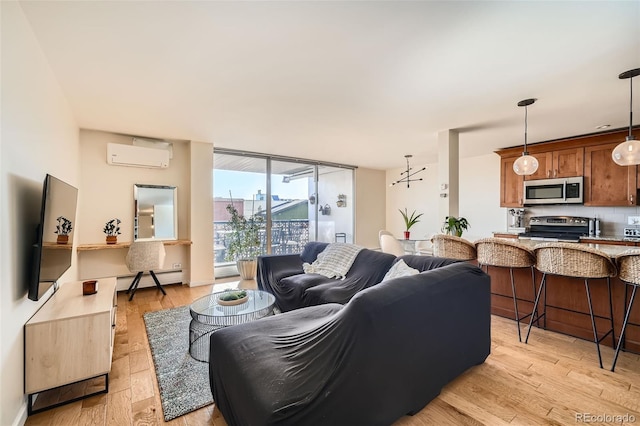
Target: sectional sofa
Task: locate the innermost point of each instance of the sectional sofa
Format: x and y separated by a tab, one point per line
383	354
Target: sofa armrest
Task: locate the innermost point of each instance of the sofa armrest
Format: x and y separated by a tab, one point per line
273	268
425	263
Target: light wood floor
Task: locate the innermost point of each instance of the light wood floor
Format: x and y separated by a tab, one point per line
551	380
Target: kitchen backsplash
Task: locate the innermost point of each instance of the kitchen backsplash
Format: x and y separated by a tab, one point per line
613	220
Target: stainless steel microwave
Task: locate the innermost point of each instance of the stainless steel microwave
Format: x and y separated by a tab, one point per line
554	191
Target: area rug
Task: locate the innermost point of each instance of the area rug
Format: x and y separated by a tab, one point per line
183	381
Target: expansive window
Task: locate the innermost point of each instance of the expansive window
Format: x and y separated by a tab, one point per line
298	201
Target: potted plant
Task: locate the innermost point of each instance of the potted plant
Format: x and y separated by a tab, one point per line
63	229
244	242
409	221
455	225
112	229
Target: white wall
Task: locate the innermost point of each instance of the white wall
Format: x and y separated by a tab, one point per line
201	214
370	212
39	135
108	193
421	197
480	196
479	199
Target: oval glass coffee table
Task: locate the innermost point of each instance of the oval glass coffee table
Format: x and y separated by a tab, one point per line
207	316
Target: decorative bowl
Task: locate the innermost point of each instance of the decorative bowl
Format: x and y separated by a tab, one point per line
234	297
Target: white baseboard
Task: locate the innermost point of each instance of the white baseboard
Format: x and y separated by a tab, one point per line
199	283
21	418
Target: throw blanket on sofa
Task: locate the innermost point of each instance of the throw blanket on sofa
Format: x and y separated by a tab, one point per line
334	261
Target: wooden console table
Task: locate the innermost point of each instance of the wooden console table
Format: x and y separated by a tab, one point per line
70	339
105	246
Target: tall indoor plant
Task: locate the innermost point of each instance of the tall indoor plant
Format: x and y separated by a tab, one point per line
455	225
409	220
244	242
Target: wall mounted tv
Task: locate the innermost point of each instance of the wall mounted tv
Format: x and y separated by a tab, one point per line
54	235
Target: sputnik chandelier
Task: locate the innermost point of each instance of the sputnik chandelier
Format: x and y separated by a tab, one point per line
407	175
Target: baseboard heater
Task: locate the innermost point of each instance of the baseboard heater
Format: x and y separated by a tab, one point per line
169	277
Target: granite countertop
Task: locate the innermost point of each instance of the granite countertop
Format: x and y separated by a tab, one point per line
591	237
611	250
611	238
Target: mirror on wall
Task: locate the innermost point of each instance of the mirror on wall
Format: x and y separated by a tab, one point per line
156	214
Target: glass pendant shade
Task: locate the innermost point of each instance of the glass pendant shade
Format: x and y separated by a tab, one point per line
525	165
627	153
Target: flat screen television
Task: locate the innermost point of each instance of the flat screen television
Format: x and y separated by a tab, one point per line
54	235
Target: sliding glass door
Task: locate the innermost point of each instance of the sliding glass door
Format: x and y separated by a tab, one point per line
293	214
299	201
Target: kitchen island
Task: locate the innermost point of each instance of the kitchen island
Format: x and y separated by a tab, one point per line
567	308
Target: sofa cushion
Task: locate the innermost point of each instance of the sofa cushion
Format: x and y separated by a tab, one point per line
311	251
334	261
399	269
293	289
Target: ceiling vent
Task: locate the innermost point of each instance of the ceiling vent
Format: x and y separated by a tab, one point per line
137	156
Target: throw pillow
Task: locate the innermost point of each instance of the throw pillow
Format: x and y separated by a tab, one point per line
399	269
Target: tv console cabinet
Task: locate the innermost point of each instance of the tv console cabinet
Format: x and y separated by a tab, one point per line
70	339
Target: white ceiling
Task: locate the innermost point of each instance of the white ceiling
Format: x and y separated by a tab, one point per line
357	82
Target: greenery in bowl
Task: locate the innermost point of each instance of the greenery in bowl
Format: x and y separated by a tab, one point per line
228	296
455	225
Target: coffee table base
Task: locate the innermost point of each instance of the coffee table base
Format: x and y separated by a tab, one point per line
199	335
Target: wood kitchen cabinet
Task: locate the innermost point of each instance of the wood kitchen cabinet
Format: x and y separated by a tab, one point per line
558	164
605	182
511	184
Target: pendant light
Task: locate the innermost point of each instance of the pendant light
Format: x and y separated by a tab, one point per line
407	177
526	164
628	152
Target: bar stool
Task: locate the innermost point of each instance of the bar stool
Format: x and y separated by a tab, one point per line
629	272
502	253
575	261
453	247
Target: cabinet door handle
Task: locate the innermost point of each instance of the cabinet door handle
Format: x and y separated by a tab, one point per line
631	199
555	172
548	173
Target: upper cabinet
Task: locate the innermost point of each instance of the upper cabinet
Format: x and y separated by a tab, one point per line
605	182
558	164
511	184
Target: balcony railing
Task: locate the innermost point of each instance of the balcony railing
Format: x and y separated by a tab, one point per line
287	237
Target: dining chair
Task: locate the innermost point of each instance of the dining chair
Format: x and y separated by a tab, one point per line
424	248
145	256
390	244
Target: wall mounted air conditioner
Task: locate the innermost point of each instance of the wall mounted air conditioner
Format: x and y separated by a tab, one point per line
137	156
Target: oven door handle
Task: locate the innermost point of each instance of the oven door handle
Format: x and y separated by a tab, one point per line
564	190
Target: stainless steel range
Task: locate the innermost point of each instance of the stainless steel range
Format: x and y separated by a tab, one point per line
557	228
